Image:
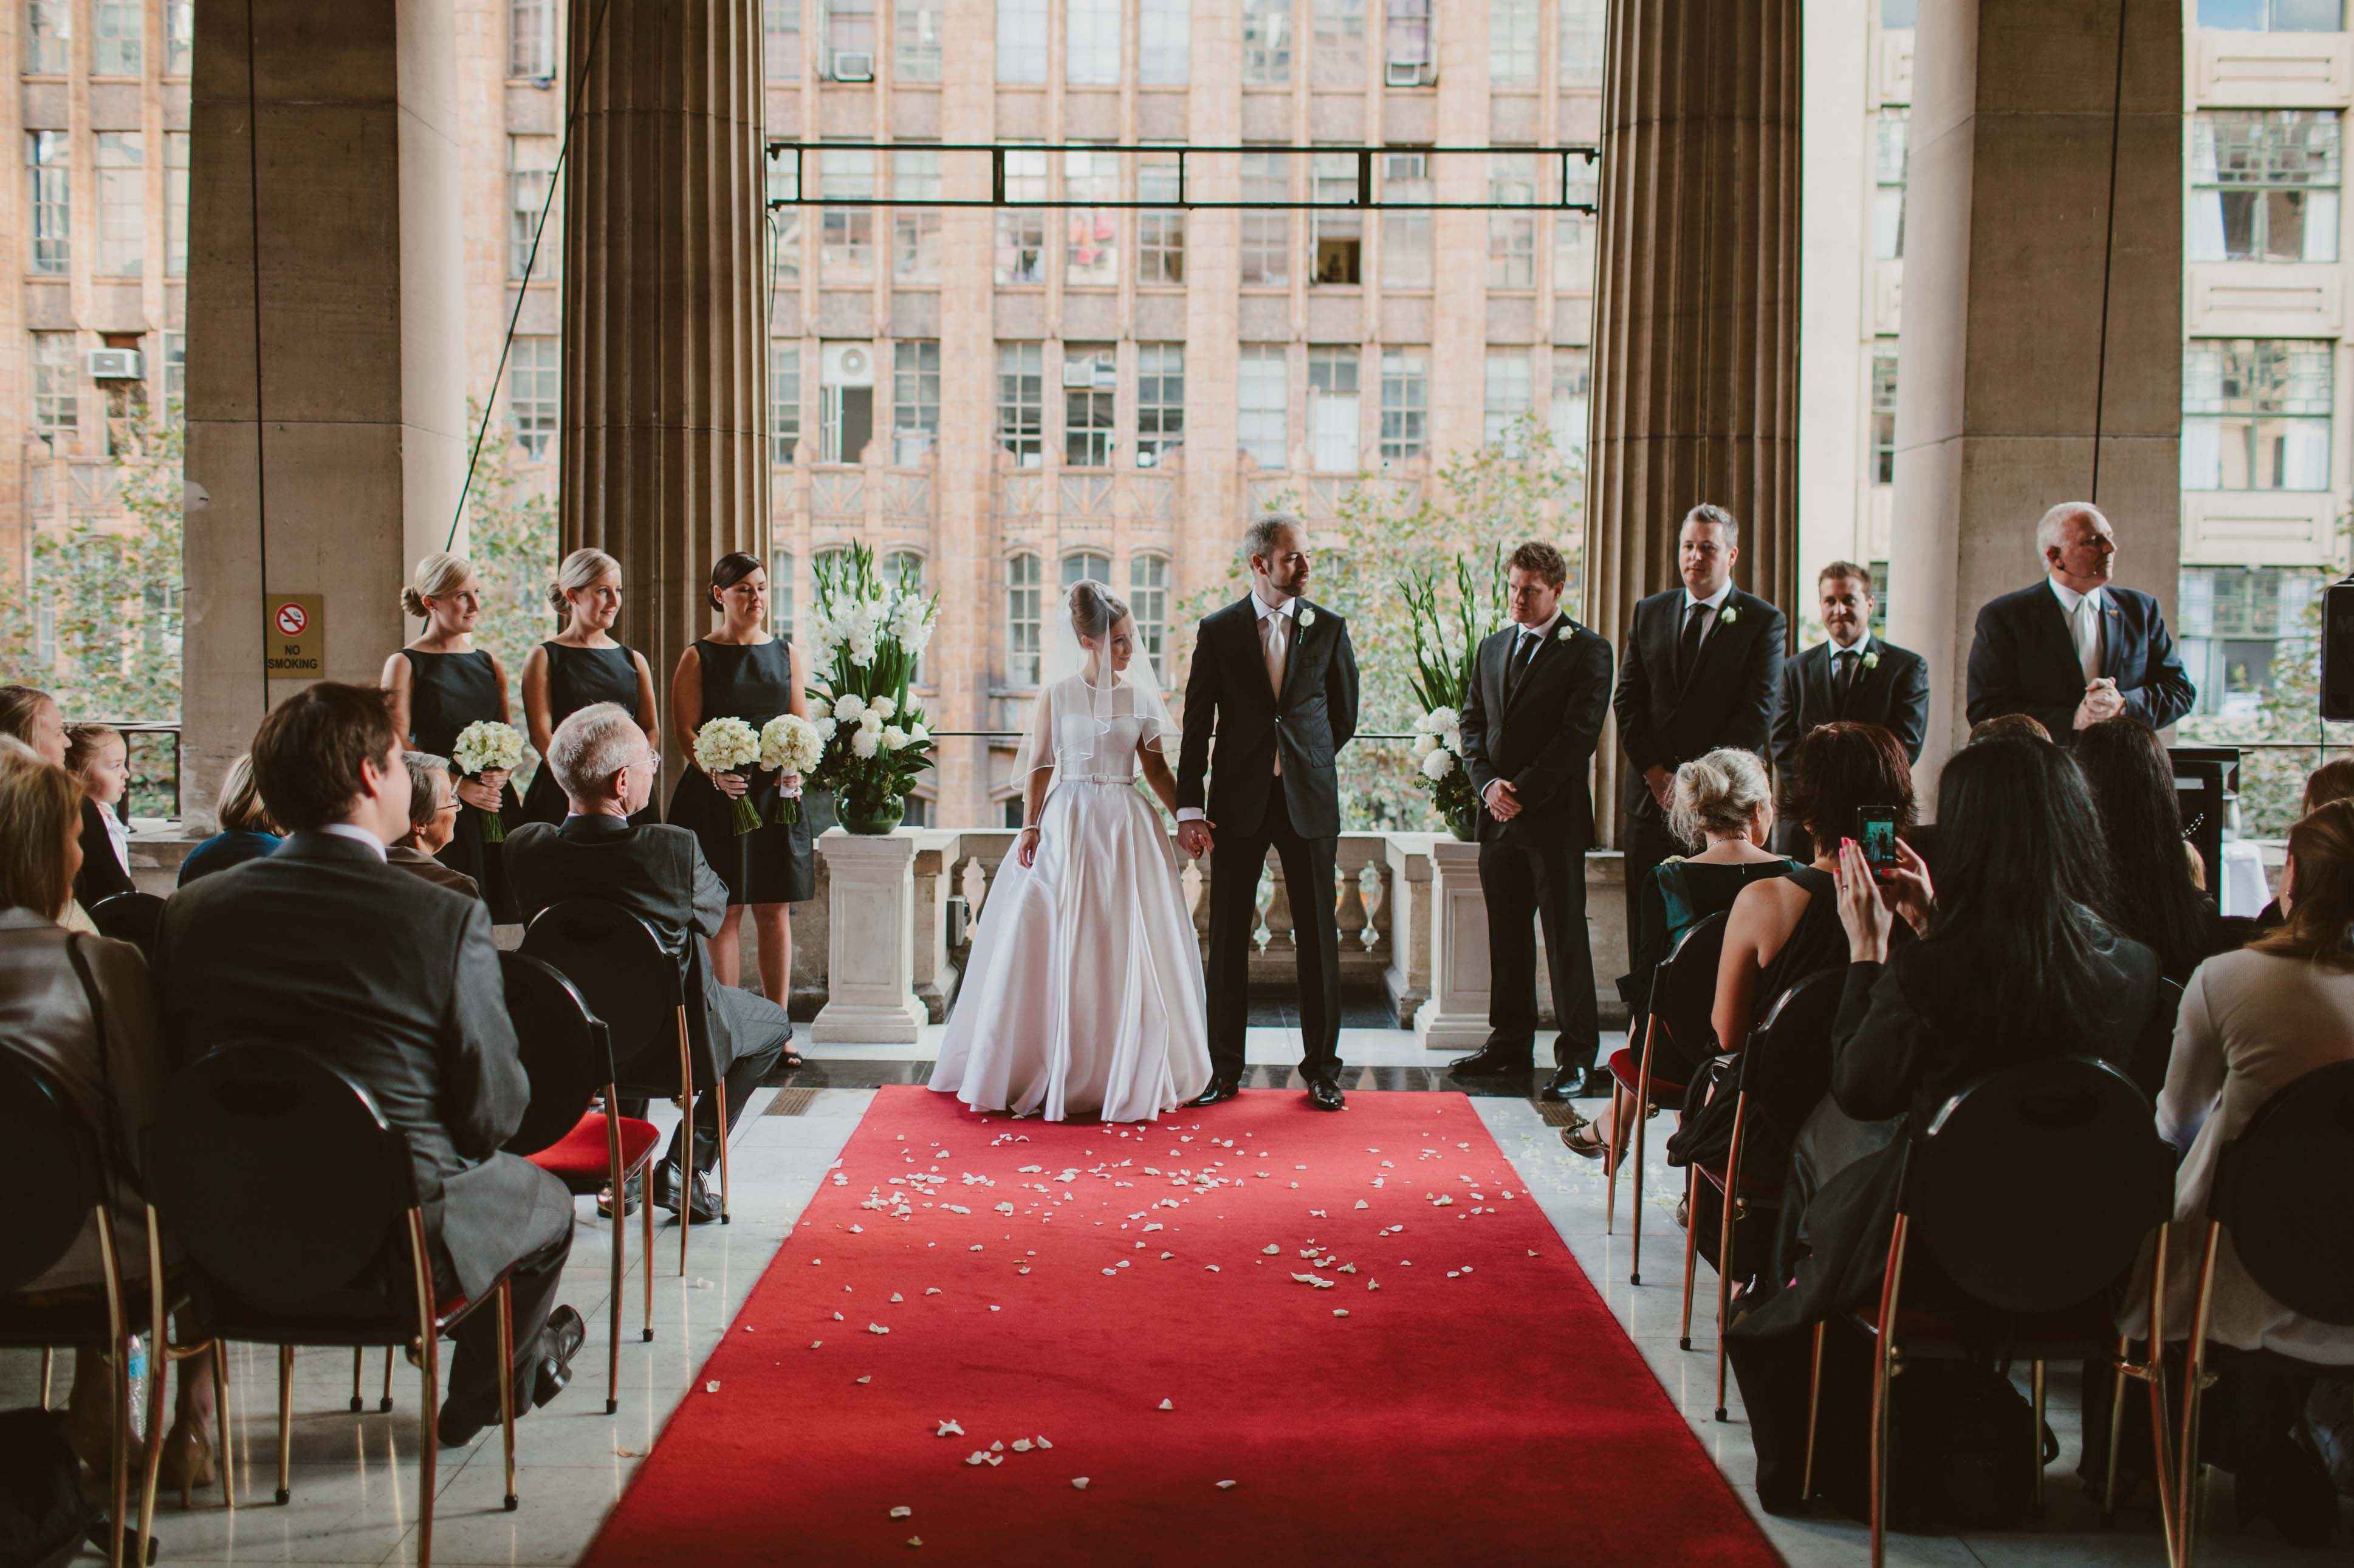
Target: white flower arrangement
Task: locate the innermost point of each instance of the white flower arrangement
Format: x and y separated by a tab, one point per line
728	745
864	742
849	707
872	632
1440	720
1437	765
1425	743
894	738
791	744
883	706
483	747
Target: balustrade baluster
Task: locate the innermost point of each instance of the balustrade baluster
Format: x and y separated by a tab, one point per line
1373	890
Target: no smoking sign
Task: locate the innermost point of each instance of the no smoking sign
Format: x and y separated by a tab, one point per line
294	637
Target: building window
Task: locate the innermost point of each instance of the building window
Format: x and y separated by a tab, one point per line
784	399
1147	605
176	204
846	234
780	593
531	38
780	39
1160	236
784	222
50	187
1513	235
1021	402
1090	375
846	401
1091	235
915	40
1086	565
49	38
914	401
2233	622
2274	16
1405	404
1022	625
1266	229
1883	412
1164	53
1332	409
1511	394
1572	253
1022	230
1336	224
116	37
847	27
1583	26
1262	426
1513	42
179	35
1022	41
56	386
1896	15
2264	185
1405	235
2256	414
1267	41
176	367
1091	42
915	231
532	401
1339	40
531	175
1890	135
121	204
1406	39
1571	386
1160	400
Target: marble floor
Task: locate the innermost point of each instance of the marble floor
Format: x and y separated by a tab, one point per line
355	1491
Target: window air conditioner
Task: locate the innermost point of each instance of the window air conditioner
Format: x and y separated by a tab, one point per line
1085	374
854	64
115	365
847	365
1404	72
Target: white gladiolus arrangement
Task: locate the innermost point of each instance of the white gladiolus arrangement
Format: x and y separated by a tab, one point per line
483	747
789	743
726	744
1446	640
870	634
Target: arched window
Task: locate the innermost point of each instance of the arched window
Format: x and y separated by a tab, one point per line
1081	564
1022	625
1148	602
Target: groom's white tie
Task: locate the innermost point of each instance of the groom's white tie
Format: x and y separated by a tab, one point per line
1272	629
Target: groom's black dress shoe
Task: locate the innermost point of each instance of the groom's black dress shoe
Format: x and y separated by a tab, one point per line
1220	1091
702	1208
558	1342
1571	1084
1491	1060
1324	1095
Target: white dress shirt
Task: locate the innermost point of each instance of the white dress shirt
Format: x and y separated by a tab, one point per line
1287	608
1715	603
2084	611
357	834
1854	655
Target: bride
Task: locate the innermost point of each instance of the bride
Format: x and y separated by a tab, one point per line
1083	995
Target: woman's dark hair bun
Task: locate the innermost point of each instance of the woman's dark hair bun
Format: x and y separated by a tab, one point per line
727	571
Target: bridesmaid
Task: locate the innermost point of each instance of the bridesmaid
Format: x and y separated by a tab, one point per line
583	666
441	683
743	671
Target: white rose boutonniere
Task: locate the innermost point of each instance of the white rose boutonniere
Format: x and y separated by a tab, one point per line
1307	617
1731	614
1565	634
1871	661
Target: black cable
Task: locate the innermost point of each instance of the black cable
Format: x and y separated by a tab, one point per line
2108	255
260	468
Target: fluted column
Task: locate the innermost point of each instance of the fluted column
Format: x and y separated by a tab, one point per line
666	378
1696	304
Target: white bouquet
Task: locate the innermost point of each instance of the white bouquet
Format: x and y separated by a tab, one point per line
483	747
728	745
789	743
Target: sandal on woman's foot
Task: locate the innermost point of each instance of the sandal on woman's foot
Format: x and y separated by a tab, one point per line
1584	1142
186	1462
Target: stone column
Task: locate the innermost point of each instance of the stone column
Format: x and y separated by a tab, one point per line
871	941
2040	358
1696	304
326	410
1456	1016
665	341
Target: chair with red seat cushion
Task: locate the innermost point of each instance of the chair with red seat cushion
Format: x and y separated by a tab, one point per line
581	1157
1683	988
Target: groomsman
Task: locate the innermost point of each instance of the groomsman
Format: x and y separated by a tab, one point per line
1854	676
1700	672
1275	680
2075	649
1530	724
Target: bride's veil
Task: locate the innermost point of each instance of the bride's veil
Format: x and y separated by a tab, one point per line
1081	692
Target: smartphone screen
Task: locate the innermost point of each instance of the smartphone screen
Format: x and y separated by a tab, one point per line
1876	832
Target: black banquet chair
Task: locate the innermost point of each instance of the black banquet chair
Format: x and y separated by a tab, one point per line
1684	987
633	986
133	918
290	1194
2029	1197
2281	1191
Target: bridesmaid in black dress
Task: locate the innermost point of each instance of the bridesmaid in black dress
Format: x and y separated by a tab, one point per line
441	683
582	667
743	671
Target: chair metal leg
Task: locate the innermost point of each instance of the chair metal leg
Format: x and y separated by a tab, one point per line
1692	1249
1642	1110
383	1404
1884	1374
48	1362
2035	1432
359	1362
1610	1161
429	1361
159	1361
1723	1289
646	1246
1814	1406
720	1088
2196	1381
620	1273
222	1424
285	1422
118	1356
683	1182
2117	1431
506	1383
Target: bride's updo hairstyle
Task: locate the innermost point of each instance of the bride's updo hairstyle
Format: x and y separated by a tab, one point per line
580	570
436	575
1095	610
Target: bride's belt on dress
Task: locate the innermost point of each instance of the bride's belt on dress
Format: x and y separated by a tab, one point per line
1100	779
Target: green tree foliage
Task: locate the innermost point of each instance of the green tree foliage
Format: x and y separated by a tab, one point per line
511	536
2272	781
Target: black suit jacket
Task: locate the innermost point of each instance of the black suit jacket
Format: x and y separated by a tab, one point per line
2023	661
1727	701
1893	694
101	876
1542	735
324	946
1226	692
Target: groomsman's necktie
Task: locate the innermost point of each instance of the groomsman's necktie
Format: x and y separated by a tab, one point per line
1842	679
1687	649
1273	628
1524	652
2086	627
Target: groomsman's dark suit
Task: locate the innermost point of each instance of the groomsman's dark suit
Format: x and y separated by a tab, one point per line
1670	714
657	872
2023	660
1532	718
1883	685
1251	806
325	948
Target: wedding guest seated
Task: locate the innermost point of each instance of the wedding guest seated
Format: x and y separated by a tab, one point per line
2331	781
1723	802
324	946
79	1007
2013	964
2019	727
246	832
656	872
99	761
2253	1022
432	823
2155	899
32	717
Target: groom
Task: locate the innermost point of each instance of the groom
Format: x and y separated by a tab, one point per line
1273	675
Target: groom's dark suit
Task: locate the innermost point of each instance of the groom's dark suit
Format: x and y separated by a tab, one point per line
1251	807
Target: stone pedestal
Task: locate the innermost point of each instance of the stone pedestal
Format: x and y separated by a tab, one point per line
1408	977
1456	1016
934	978
870	941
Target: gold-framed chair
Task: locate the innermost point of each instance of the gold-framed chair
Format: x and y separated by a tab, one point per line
1683	987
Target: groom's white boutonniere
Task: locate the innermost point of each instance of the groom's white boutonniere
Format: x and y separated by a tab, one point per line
1732	614
1307	617
1871	661
1565	634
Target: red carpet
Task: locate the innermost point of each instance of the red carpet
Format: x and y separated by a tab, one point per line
1479	1407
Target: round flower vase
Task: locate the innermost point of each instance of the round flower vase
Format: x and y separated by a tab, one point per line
857	817
1464	824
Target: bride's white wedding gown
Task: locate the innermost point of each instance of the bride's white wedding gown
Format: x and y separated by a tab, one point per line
1084	995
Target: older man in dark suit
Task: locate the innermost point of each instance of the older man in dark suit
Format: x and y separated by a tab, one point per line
325	947
1701	664
657	872
1530	724
1855	676
2076	649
